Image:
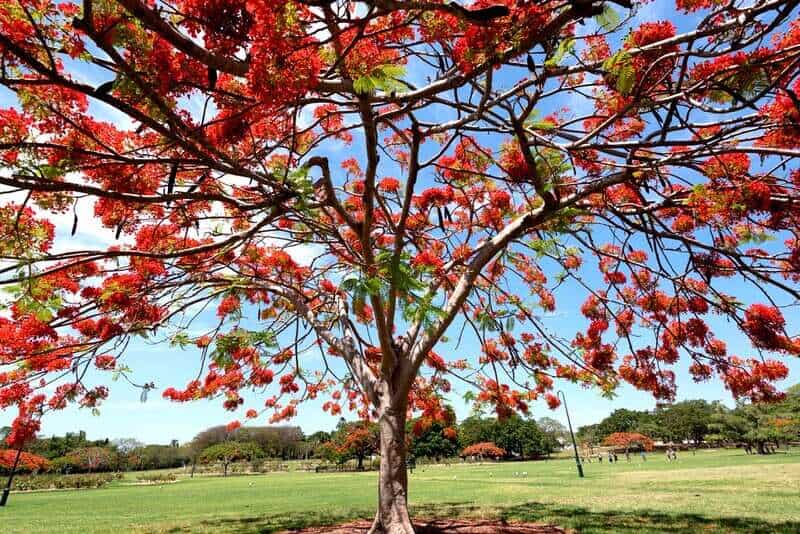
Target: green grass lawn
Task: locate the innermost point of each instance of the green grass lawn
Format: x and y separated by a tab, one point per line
724	491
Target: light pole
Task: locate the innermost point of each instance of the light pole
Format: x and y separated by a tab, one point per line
572	434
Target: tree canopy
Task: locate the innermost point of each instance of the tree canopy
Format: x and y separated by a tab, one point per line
486	449
629	440
351	440
27	461
230	451
500	155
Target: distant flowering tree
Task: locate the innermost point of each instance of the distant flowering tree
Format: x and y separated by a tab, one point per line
500	155
352	440
629	440
27	461
486	449
92	459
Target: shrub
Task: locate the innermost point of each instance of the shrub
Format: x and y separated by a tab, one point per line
45	482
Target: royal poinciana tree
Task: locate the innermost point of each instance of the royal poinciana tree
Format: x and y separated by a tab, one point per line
501	153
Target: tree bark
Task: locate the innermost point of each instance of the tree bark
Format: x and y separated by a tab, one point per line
392	515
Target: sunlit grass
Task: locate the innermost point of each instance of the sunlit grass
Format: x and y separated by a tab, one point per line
723	491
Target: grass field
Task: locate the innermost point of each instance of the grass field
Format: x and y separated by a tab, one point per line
724	491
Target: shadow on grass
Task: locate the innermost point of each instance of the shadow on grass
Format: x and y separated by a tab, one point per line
570	517
640	521
274	522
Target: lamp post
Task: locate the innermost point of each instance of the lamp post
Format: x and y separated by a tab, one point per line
572	434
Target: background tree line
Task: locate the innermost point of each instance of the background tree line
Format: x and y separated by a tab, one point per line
758	427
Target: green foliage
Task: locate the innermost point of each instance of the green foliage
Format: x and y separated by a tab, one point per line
157	457
518	436
620	67
383	77
432	443
226	344
608	19
758	425
56	446
230	451
697	421
565	46
682	421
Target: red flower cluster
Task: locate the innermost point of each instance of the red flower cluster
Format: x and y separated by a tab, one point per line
764	324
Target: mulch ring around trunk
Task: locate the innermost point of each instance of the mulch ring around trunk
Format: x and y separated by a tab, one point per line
443	526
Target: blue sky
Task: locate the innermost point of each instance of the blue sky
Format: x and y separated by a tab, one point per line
159	421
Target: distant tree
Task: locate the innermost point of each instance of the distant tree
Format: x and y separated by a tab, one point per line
622	420
59	446
87	460
228	452
161	456
555	432
433	440
629	440
682	421
475	429
283	442
758	427
521	437
483	450
315	442
589	434
352	440
127	445
210	436
27	462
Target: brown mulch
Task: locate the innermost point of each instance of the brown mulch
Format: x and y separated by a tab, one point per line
443	526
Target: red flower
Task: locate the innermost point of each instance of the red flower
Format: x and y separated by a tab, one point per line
105	362
427	260
553	401
233	425
229	305
389	184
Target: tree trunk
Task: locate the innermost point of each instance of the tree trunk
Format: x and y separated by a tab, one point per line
392	515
